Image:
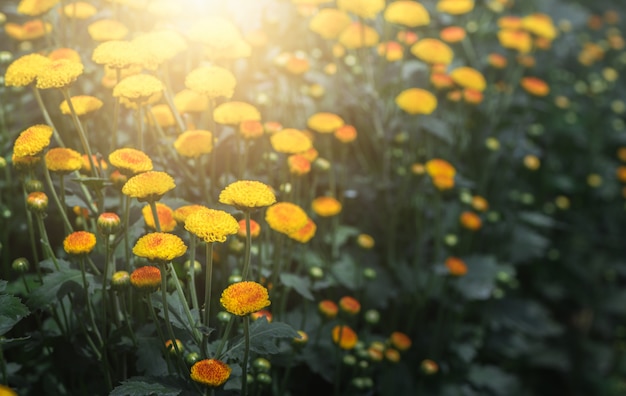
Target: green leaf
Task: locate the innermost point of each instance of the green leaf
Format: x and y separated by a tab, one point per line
56	285
494	379
527	244
3	285
11	311
263	336
345	270
537	219
150	359
479	282
300	284
143	386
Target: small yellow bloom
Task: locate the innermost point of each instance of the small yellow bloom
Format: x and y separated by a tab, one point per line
147	278
148	186
325	122
159	246
290	141
107	30
244	298
416	101
455	7
233	113
286	217
367	9
32	141
63	160
79	242
358	35
211	225
326	206
329	22
82	104
433	51
247	194
468	77
210	372
24	70
193	144
59	73
35	7
212	81
407	13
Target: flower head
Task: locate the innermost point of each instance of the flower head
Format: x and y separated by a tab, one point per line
79	242
325	122
108	223
117	54
363	8
365	241
468	77
212	81
159	46
82	104
210	372
290	141
518	40
29	30
470	220
298	164
441	172
247	194
400	341
345	337
453	34
407	13
23	71
358	35
65	53
98	162
211	225
455	7
328	308
165	215
286	217
35	7
243	298
251	129
37	201
193	144
535	86
304	234
181	214
188	101
264	313
147	278
432	51
130	161
79	10
107	30
59	73
416	101
148	186
255	228
233	113
540	25
350	305
32	141
63	160
456	266
326	206
329	22
138	88
159	246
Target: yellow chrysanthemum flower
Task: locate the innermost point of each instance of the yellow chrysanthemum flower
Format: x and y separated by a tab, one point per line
63	160
79	242
441	172
417	101
455	7
304	234
79	10
286	217
210	372
326	206
432	51
233	113
329	23
32	141
25	69
181	214
540	25
407	13
211	225
116	54
290	141
325	122
244	298
148	186
518	40
130	161
146	278
35	7
162	114
195	143
188	101
165	214
83	104
59	73
65	53
159	46
358	35
247	194
107	30
468	77
159	246
363	8
212	81
29	30
138	87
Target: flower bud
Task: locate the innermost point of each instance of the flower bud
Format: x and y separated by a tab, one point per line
372	316
223	316
191	358
3	163
37	202
316	273
169	346
264	378
322	164
33	185
108	223
301	339
197	267
350	305
429	367
120	280
261	364
349	360
20	265
365	241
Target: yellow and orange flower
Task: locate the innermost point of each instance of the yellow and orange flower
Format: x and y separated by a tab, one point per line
367	9
407	13
349	305
346	134
535	86
193	144
441	172
470	221
25	69
165	215
432	51
233	113
212	81
181	214
298	164
255	228
328	308
29	30
455	7
247	194
325	122
251	129
400	341
518	40
210	372
82	104
63	160
35	7
148	186
358	35
138	88
416	101
211	225
59	73
79	242
306	233
468	77
32	141
159	246
286	217
146	279
107	30
329	23
452	34
244	298
290	141
345	337
326	206
130	161
456	266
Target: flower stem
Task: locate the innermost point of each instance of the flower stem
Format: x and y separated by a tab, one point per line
220	347
246	261
183	302
59	202
207	295
168	324
155	214
81	132
246	352
192	271
160	333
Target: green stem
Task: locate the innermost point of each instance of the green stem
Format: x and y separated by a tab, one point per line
83	272
59	202
155	214
246	352
81	132
168	324
192	271
207	295
126	235
246	261
160	333
220	347
46	116
183	302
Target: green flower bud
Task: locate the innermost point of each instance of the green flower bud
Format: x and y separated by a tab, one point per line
262	364
264	378
372	316
20	265
33	185
223	316
191	358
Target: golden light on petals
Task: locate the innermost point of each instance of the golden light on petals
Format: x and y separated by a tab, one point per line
188	101
367	9
59	73
324	122
432	51
181	214
515	39
32	141
107	30
79	10
165	215
83	104
455	7
79	242
159	246
326	206
290	141
212	81
211	225
416	101
233	113
244	298
116	53
407	13
24	70
138	87
247	194
329	22
468	77
30	30
358	35
35	7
